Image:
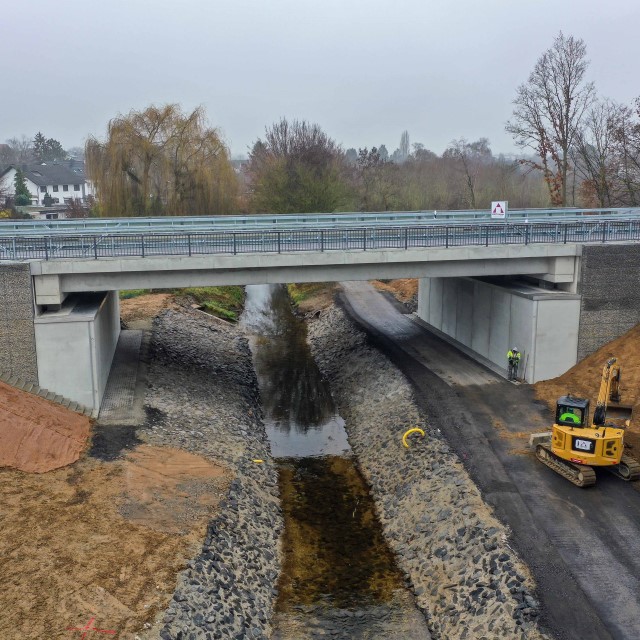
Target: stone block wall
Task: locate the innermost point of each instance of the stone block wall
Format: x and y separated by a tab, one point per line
610	289
17	336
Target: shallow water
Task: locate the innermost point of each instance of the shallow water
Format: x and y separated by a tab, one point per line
339	578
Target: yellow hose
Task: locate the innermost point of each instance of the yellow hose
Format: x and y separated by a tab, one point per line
408	433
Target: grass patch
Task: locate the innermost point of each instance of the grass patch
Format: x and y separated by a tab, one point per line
304	291
222	302
126	294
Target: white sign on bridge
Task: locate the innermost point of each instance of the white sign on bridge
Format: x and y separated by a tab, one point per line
499	209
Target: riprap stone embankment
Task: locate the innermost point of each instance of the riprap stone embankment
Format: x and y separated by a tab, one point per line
466	578
203	397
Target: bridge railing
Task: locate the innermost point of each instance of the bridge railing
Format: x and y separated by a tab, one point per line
197	224
136	245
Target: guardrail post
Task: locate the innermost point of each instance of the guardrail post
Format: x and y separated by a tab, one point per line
189	243
526	234
605	226
142	244
321	240
95	248
235	248
278	241
46	247
15	253
364	239
446	241
566	229
486	235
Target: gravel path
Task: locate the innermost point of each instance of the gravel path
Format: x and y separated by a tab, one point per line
466	578
203	397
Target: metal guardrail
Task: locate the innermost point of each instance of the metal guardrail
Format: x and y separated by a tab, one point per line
130	245
197	224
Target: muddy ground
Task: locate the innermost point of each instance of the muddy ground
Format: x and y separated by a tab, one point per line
105	536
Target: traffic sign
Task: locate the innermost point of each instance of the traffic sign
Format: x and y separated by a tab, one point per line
499	209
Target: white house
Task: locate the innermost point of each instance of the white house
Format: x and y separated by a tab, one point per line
63	181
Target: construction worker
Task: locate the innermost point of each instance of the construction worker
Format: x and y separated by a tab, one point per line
513	358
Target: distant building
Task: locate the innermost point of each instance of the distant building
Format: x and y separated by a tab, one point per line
63	181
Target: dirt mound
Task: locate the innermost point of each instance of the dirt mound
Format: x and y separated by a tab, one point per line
94	542
404	289
37	435
584	380
143	308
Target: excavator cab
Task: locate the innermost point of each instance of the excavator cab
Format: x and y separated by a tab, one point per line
572	412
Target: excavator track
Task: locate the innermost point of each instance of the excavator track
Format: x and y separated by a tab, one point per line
628	469
578	474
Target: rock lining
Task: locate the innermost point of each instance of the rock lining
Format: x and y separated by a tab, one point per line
203	398
467	580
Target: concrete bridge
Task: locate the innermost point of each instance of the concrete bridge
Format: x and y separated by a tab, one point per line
558	284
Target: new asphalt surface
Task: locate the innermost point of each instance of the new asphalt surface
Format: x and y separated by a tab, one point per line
582	545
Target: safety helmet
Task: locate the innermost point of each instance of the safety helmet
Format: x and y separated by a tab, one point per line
514	348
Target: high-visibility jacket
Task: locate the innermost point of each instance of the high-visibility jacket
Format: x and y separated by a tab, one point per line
513	355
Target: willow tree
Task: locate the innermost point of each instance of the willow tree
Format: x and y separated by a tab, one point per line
161	161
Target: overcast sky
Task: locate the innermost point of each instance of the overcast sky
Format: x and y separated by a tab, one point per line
364	70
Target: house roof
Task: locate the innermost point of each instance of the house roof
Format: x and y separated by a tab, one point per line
50	173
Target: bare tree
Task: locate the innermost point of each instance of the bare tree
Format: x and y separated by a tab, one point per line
21	150
596	154
470	157
549	109
627	136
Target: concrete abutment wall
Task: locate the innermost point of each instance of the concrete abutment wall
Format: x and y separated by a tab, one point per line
485	317
76	345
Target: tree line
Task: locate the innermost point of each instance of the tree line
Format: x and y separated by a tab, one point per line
578	149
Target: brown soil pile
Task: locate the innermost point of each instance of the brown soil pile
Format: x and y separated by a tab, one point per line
403	289
37	435
99	540
144	308
584	380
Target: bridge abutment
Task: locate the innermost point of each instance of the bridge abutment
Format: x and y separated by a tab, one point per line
76	344
484	317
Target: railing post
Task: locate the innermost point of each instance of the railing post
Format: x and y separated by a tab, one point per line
406	238
142	244
46	247
526	234
321	240
278	241
95	248
15	253
566	229
189	243
364	239
605	227
486	235
235	248
446	241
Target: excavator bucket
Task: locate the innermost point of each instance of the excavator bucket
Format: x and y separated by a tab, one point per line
619	413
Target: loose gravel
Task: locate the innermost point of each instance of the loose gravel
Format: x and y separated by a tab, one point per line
203	398
467	580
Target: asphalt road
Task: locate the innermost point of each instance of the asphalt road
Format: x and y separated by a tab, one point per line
582	545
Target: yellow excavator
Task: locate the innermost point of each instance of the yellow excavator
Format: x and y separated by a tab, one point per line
576	446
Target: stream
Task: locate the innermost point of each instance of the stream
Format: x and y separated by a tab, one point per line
339	578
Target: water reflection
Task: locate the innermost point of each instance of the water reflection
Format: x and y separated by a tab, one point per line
300	415
338	579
